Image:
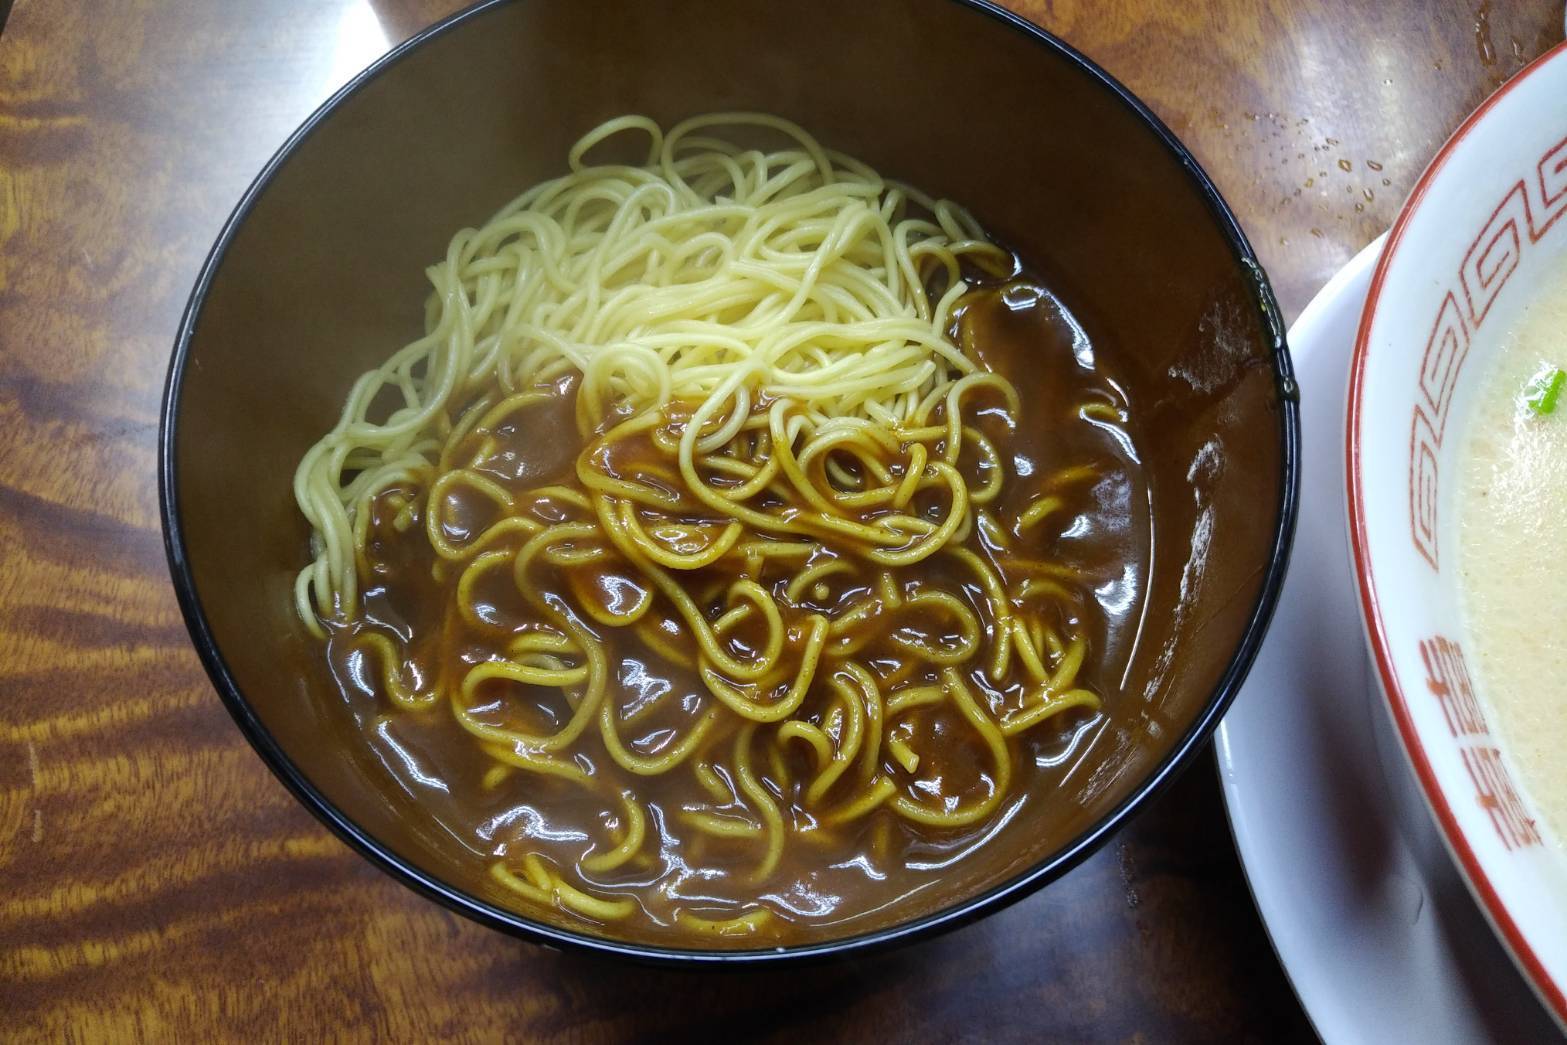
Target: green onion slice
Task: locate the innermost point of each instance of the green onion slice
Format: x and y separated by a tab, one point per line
1544	389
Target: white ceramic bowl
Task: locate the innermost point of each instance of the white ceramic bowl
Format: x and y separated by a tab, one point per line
1485	223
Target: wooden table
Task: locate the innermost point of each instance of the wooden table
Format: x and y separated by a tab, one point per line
155	880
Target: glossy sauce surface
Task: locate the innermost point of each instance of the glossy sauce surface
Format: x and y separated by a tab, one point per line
831	877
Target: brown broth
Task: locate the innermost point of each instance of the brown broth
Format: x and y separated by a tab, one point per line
828	881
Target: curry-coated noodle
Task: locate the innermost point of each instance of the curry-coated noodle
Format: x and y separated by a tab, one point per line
702	567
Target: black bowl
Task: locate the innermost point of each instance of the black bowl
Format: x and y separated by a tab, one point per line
317	276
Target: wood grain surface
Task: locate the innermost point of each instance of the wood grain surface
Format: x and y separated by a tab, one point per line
157	883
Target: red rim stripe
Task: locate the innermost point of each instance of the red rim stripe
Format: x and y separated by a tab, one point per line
1550	991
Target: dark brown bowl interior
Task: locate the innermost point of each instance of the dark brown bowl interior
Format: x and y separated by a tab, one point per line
320	276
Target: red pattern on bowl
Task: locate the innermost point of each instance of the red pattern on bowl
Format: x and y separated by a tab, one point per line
1481	227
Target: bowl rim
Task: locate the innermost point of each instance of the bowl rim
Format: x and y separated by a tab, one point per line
1548	989
963	912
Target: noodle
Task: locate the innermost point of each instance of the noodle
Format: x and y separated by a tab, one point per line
786	491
